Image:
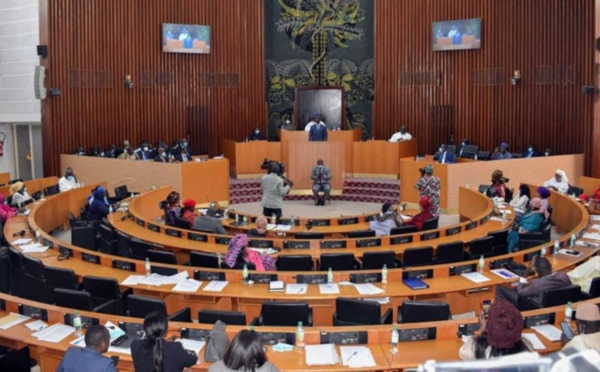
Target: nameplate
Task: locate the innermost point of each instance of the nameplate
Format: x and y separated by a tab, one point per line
345	338
333	244
366	243
86	321
123	265
453	231
541	319
209	275
402	239
471	225
296	244
311	279
467	329
140	222
430	235
497	264
421	274
365	278
273	338
347	221
417	334
197	237
484	220
64	251
462	269
371	217
529	256
153	227
260	243
173	232
195	334
288	221
33	312
320	222
223	240
91	258
263	278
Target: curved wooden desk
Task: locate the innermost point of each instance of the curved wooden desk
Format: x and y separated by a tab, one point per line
33	186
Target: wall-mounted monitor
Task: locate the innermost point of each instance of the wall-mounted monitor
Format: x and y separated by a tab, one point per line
178	38
458	34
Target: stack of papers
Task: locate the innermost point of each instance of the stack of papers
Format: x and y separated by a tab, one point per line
37	325
586	244
548	331
34	248
357	356
187	285
475	277
11	320
368	289
283	227
592	236
133	280
153	279
264	250
296	289
216	285
505	274
157	279
22	241
55	333
276	286
595	217
321	355
330	288
192	345
534	340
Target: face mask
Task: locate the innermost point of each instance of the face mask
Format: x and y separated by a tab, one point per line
163	155
320	166
546	154
146	148
463	144
441	149
530	149
257	131
24	189
102	154
185	144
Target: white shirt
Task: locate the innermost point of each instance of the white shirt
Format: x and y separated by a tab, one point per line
561	186
66	184
18	199
396	137
309	125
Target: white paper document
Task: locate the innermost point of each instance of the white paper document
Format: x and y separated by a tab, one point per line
368	289
264	250
216	285
37	325
121	350
595	217
22	241
192	345
133	280
296	289
581	243
330	288
357	356
535	341
12	319
476	277
592	236
549	331
153	279
188	285
176	279
321	355
34	248
55	333
283	227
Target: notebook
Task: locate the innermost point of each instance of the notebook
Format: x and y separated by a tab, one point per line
415	283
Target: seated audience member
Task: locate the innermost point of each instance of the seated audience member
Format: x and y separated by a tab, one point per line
532	221
111	152
499	335
501	152
530	152
161	156
209	222
80	151
188	211
544	194
171	207
588	327
144	152
128	154
260	231
183	156
178	146
256	135
521	201
246	353
237	255
99	207
68	181
558	183
6	211
313	119
403	135
443	156
89	358
154	353
418	220
548	152
499	185
533	290
388	219
19	194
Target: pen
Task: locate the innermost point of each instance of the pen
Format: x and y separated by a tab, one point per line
301	289
350	357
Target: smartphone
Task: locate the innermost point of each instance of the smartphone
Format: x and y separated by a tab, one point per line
485	307
566	330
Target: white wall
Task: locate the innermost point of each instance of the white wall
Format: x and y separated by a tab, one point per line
19	35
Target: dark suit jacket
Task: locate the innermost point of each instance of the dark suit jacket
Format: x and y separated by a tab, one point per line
318	133
85	359
160	159
179	157
450	157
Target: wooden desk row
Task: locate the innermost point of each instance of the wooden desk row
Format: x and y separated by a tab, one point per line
33	186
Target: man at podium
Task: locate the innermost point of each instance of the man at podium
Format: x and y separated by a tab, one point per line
318	132
321	176
403	135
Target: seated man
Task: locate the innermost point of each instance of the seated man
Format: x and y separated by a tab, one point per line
462	147
161	156
530	152
183	156
588	327
89	358
128	154
68	181
144	152
260	231
321	175
545	280
403	135
389	219
501	152
209	222
256	135
443	156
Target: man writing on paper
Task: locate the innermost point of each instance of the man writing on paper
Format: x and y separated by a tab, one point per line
89	358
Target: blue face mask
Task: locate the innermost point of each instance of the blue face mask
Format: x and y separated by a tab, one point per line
185	144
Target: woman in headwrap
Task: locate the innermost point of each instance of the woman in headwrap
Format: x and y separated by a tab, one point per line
425	207
531	221
238	255
171	207
499	184
6	211
544	194
499	335
188	211
429	185
19	194
99	205
559	182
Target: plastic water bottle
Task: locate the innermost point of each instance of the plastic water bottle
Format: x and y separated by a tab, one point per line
245	219
572	242
273	219
556	247
384	274
153	187
292	221
503	217
481	264
543	251
300	336
394	339
148	267
77	324
37	234
569	311
329	276
245	274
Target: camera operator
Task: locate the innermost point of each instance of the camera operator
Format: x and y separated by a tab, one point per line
273	190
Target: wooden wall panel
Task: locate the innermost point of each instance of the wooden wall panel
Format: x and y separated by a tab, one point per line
94	43
470	95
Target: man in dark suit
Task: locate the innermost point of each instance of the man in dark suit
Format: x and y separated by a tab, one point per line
443	156
321	176
183	156
162	156
318	132
144	151
89	358
530	153
256	135
209	222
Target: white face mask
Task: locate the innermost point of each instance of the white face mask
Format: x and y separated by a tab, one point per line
145	148
185	144
530	149
546	154
257	131
463	144
441	150
164	155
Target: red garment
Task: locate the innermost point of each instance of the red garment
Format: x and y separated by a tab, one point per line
500	188
188	215
420	219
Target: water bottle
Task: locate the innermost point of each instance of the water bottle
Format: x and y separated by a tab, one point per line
245	274
384	274
503	217
394	339
329	276
37	234
153	187
543	251
77	324
300	336
148	267
292	221
556	246
481	264
273	219
245	219
572	242
569	312
110	209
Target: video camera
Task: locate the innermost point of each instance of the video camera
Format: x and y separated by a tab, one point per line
267	164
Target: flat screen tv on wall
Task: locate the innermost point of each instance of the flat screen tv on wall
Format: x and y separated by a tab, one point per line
178	38
457	34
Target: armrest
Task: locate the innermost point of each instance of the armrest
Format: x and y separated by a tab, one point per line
525	304
109	307
183	315
387	317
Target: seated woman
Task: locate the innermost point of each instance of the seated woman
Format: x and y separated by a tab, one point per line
387	221
238	255
188	211
544	194
531	221
499	335
171	208
418	220
260	231
521	202
19	194
559	182
99	207
6	211
245	353
499	185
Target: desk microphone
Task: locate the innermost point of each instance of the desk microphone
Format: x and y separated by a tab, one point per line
19	233
125	216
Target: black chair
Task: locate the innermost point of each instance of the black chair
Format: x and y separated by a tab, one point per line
4	274
17	272
122	244
105	232
82	300
284	314
16	360
208	316
34	288
361	234
551	297
350	312
483	155
200	259
140	306
531	239
594	289
33	267
376	260
451	149
450	252
409	229
138	249
500	244
481	247
76	222
104	290
337	262
166	271
182	223
106	246
84	237
121	192
430	224
57	277
309	235
417	257
469	151
294	263
162	257
423	311
51	190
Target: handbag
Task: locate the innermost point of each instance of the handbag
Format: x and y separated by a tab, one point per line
217	343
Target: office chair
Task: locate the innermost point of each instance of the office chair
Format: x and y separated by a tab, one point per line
470	151
309	235
594	290
162	257
409	229
140	306
138	249
122	244
51	190
417	257
201	259
531	239
551	297
376	260
481	247
351	312
450	252
105	289
166	271
17	272
4	274
337	262
82	300
500	244
430	224
84	237
105	232
361	234
423	311
294	263
483	155
34	288
208	316
59	278
182	223
33	266
284	314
